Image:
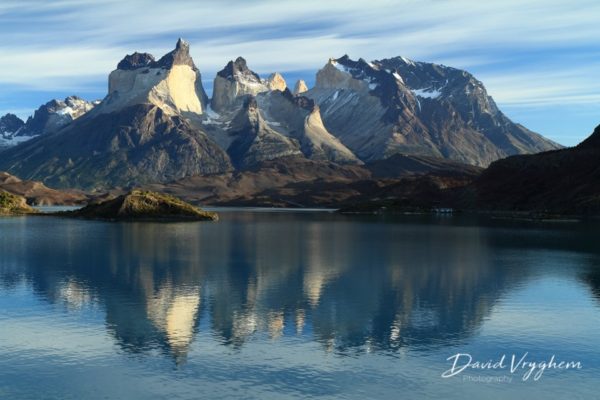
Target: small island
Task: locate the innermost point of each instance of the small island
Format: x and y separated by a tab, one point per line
11	204
140	205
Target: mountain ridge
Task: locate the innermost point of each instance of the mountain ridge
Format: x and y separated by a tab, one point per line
386	115
156	123
562	181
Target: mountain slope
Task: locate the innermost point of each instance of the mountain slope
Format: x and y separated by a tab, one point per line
401	164
38	194
156	123
55	115
48	118
565	181
254	140
10	124
300	182
137	134
299	118
395	105
138	144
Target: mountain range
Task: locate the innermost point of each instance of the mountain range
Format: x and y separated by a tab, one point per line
48	118
158	125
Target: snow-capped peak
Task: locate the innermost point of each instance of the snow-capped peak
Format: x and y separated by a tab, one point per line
396	75
407	61
10	125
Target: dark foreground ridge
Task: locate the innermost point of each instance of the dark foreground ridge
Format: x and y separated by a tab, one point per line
564	181
143	205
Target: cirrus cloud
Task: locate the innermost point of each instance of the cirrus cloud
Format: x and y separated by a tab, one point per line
528	53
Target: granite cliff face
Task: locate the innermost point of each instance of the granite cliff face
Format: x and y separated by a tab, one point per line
276	82
233	82
173	83
396	105
300	87
299	118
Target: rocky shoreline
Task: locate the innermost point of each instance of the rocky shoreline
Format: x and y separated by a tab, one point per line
137	205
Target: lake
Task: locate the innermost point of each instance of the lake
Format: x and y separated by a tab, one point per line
295	305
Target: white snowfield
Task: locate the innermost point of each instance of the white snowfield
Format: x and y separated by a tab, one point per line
427	93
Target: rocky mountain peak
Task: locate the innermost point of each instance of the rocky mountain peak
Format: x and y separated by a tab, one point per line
172	83
79	106
237	68
332	76
179	56
276	82
236	80
359	69
136	60
300	87
426	109
55	115
9	125
367	78
430	80
182	44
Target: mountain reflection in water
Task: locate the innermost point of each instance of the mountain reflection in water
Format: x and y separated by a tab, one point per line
352	285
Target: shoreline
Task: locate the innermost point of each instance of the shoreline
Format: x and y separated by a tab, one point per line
524	216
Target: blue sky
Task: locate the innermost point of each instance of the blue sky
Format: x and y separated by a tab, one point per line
540	60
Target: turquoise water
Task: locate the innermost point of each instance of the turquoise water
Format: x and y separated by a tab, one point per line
296	305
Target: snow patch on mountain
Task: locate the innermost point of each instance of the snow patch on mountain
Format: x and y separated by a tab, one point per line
428	93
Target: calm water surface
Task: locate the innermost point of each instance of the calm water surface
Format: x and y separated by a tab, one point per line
295	305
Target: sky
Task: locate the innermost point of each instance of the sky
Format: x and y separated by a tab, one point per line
539	59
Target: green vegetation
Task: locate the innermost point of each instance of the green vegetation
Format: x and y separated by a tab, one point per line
11	204
144	205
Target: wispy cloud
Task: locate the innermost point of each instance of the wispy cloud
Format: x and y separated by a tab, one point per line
530	52
555	86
